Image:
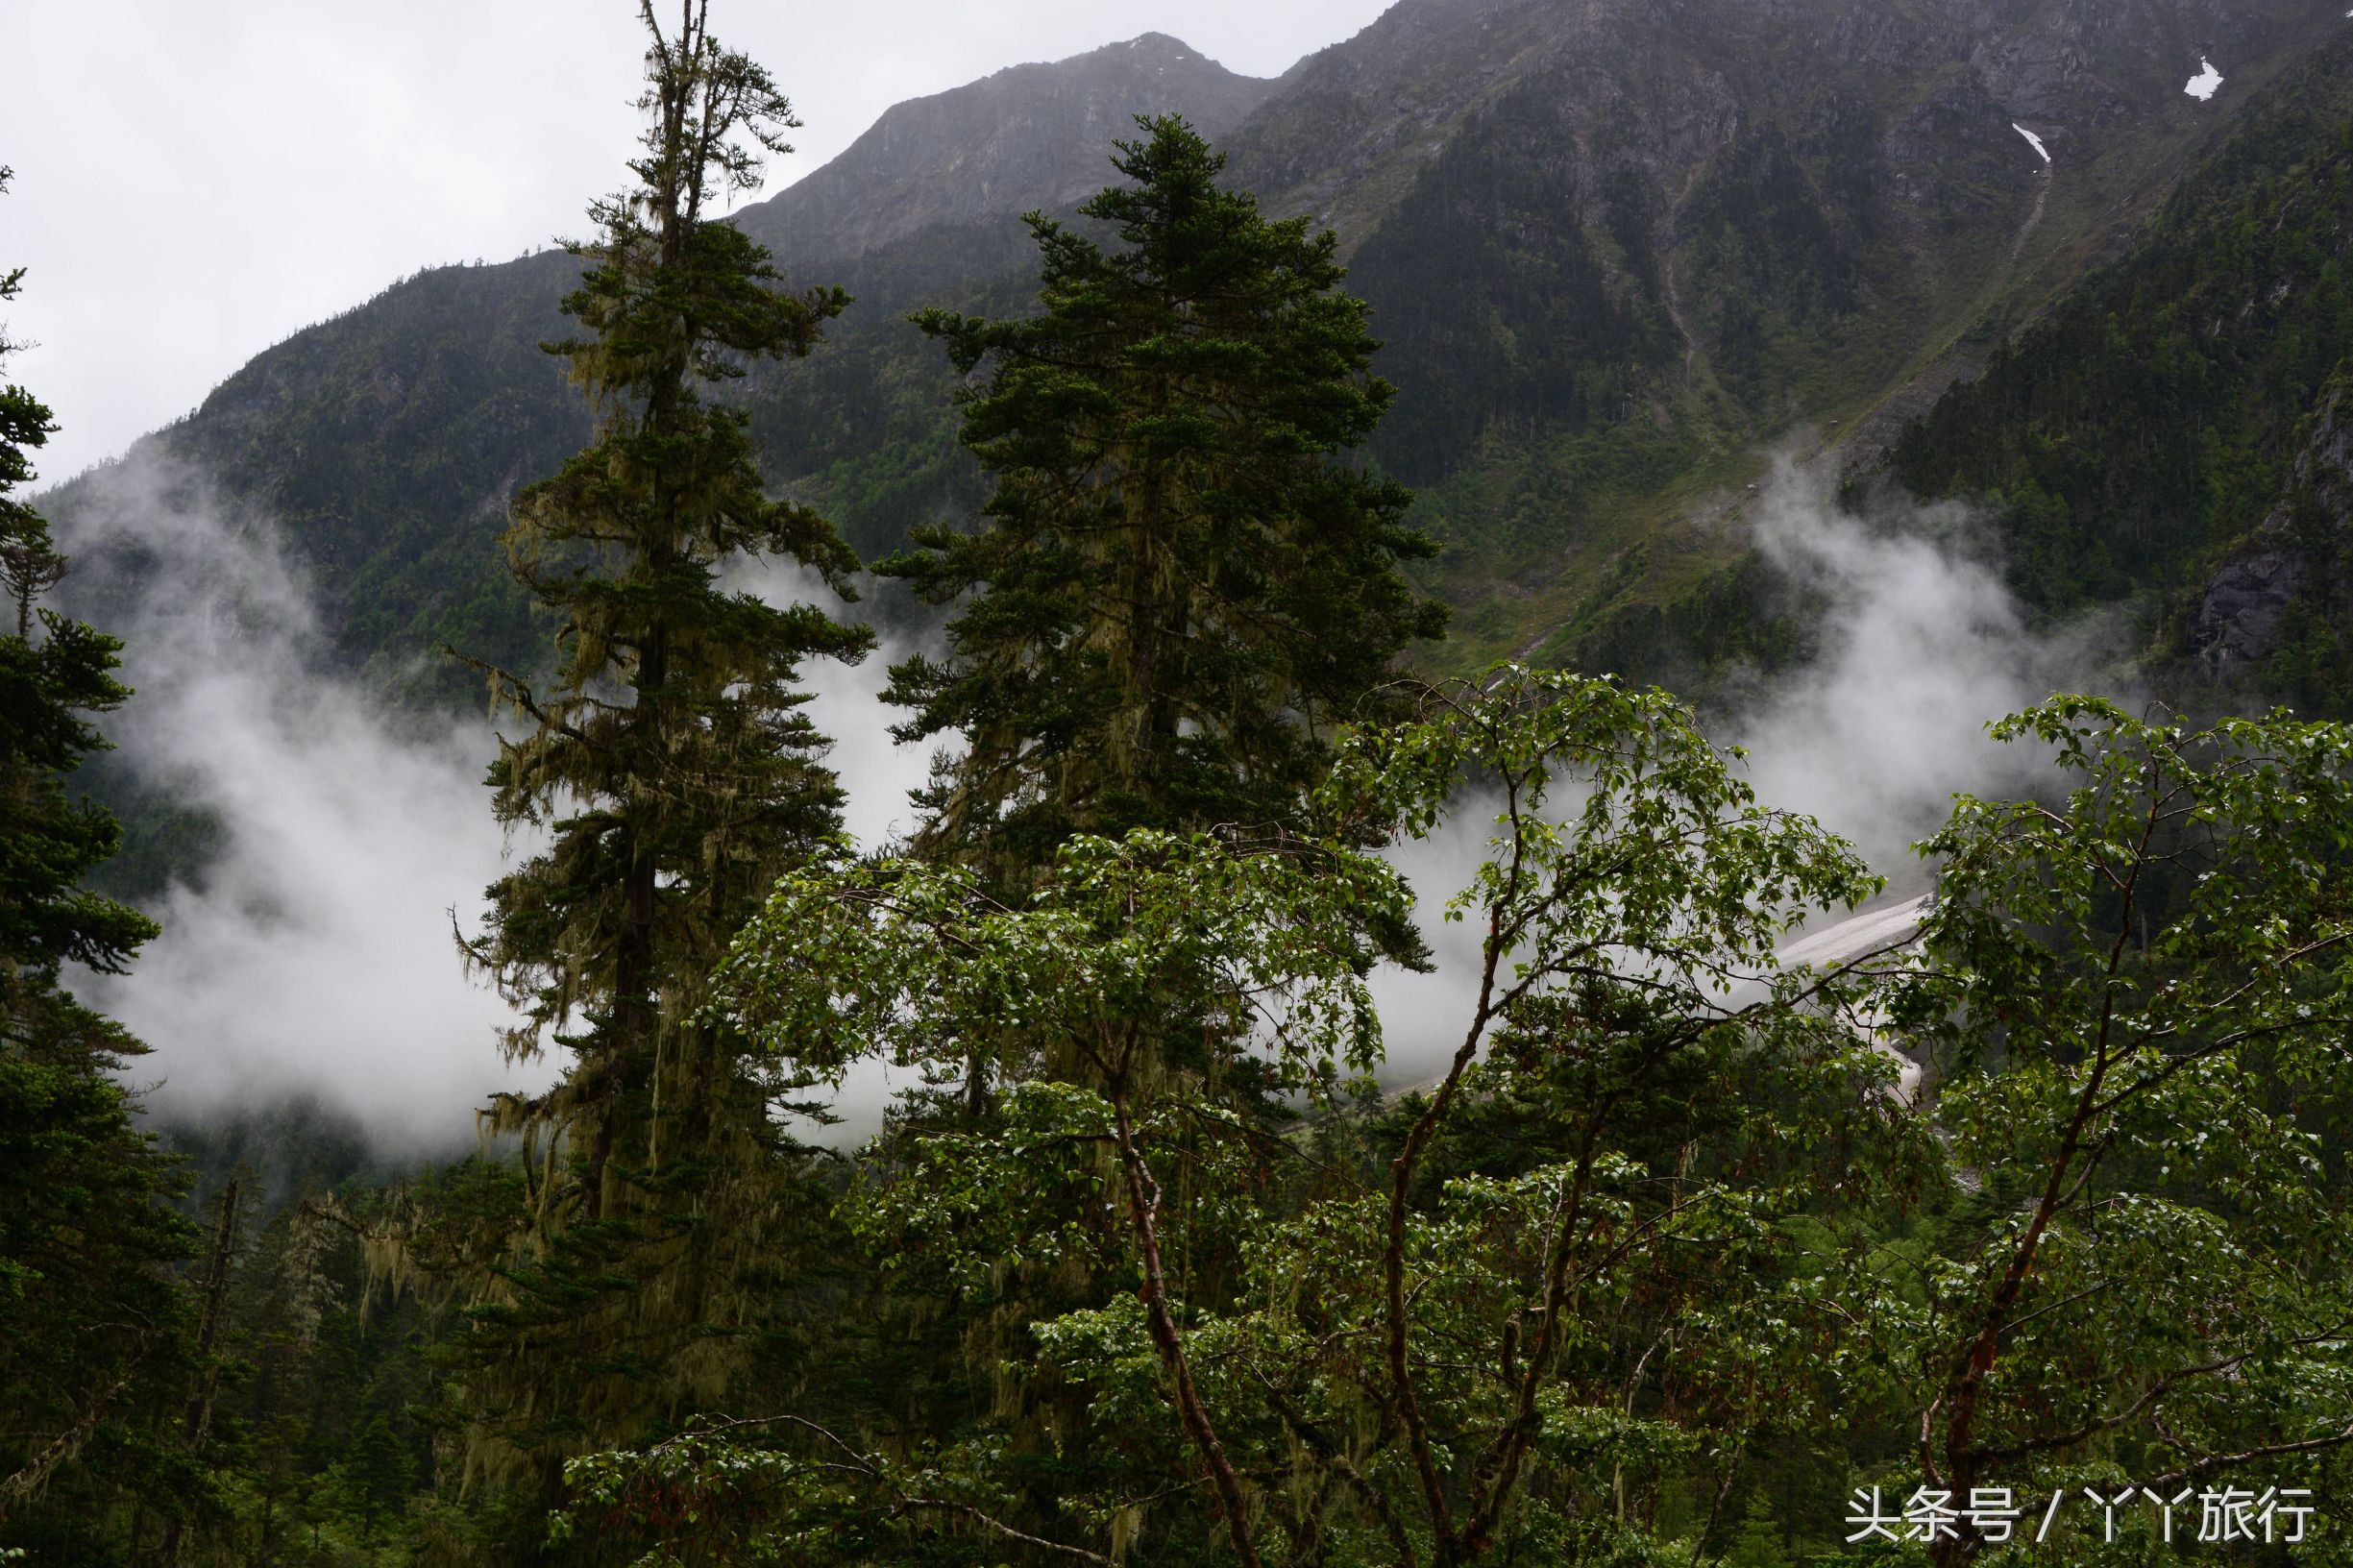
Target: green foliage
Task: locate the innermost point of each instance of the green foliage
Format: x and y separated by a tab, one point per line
677	775
1667	1242
1503	319
2136	1000
1632	878
95	1335
1148	977
48	684
1667	1209
51	680
1678	1243
1758	1544
1181	584
1300	1385
1178	587
2148	421
911	959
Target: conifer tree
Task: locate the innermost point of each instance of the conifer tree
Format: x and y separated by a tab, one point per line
677	778
93	1328
1179	585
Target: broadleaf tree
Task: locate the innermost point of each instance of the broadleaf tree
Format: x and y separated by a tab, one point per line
1408	1369
2135	999
2045	1206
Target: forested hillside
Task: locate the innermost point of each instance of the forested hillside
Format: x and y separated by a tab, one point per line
2149	428
1342	1101
386	444
1612	250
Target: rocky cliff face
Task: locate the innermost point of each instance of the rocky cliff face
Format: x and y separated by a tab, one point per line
2299	554
1027	137
2090	61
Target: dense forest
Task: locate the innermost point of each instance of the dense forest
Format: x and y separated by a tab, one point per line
2130	441
2013	1231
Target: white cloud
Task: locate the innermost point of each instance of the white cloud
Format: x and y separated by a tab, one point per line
1925	646
316	956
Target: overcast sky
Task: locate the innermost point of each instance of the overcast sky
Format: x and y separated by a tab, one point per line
199	179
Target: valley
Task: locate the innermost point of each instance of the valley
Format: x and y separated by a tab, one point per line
1572	790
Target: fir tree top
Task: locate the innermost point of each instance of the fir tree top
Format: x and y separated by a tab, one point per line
1180	582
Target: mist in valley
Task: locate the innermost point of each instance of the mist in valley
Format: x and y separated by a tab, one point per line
314	958
1922	646
317	1272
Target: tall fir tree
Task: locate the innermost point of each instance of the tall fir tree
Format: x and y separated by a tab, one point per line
1181	583
94	1330
677	775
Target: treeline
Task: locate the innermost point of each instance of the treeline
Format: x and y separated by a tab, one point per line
1679	1255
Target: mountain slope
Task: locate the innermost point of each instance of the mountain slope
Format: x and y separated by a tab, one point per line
2165	428
1615	246
1657	235
387	441
1028	136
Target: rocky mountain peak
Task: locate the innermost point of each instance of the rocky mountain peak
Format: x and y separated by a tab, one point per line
1025	138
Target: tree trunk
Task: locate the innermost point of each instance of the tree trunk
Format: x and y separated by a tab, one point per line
198	1424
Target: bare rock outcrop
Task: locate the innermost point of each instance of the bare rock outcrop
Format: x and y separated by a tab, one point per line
2297	547
1026	137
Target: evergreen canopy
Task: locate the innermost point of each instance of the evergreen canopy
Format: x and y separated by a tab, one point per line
1180	585
677	775
93	1329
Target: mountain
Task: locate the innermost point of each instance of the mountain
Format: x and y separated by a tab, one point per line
386	441
1630	245
2175	427
1026	137
1618	249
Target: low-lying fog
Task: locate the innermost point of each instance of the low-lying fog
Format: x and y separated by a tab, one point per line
316	956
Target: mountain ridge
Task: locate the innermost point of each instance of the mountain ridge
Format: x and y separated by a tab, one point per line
1025	137
2174	429
1618	249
